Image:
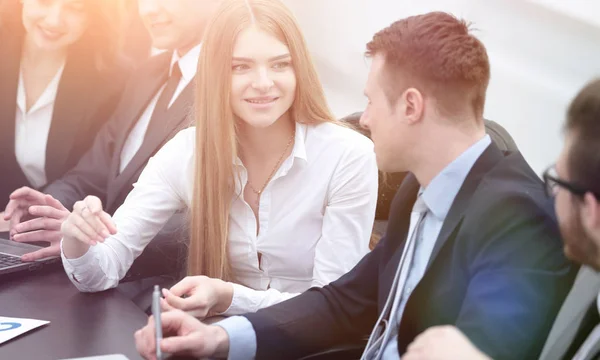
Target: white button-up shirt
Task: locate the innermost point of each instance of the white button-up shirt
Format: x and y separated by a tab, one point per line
316	217
32	128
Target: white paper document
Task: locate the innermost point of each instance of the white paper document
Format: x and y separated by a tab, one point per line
13	327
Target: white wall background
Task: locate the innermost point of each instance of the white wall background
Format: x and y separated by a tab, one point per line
541	51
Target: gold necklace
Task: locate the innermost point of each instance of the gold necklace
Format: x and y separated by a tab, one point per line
259	192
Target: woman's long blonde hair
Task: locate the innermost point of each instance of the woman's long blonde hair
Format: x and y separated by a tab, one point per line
216	141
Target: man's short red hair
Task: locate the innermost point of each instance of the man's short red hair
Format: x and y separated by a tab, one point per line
435	53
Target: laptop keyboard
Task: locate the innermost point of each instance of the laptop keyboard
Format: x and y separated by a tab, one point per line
7	260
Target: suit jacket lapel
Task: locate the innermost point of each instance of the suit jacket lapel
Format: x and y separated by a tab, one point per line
145	91
583	293
68	115
174	120
398	227
490	157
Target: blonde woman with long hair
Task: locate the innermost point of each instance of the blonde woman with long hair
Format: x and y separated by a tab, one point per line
281	196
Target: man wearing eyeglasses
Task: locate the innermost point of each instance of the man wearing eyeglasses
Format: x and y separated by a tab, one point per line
574	182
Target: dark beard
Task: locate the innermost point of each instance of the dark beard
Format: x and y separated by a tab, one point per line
578	246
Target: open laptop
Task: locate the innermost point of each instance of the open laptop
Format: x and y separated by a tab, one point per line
10	257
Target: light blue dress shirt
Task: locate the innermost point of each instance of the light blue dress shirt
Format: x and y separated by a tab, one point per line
438	197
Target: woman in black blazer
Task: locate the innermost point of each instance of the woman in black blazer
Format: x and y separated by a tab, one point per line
60	79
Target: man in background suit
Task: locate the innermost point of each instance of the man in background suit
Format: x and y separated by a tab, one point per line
137	41
575	183
155	106
471	239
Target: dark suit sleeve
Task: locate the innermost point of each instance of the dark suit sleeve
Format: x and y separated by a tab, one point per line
519	278
340	312
90	175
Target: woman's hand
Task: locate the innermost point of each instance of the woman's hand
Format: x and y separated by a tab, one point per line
86	226
199	296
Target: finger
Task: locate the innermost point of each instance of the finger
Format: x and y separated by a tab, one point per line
52	250
51	201
185	286
7	213
20	192
172	321
16	220
108	222
4	225
181	345
47	211
94	204
13	206
178	302
41	223
87	228
39	235
145	343
96	223
27	193
164	305
91	218
72	230
139	343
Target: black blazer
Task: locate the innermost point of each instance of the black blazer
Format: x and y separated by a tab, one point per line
497	272
97	173
85	100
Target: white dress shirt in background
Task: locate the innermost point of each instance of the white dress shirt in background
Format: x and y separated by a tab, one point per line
316	216
188	65
32	128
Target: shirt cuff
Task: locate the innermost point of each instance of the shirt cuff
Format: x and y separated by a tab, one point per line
78	265
242	337
241	303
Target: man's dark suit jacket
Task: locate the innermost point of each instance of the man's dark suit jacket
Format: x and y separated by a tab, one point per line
85	99
497	272
97	173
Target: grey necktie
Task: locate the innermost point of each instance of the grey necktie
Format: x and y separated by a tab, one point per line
591	347
384	327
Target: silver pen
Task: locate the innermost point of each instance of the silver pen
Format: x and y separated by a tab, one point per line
157	320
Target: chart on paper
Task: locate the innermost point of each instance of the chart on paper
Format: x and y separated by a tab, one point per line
13	327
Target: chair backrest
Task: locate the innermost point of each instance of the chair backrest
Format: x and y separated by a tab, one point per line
499	135
389	183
